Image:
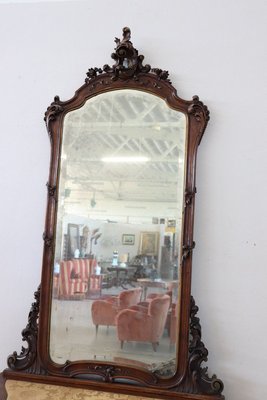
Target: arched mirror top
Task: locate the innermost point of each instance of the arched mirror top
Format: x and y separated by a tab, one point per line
129	72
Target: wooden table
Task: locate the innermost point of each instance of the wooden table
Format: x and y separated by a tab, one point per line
121	281
145	283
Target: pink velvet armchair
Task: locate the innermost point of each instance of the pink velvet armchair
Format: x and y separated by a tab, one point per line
144	324
104	312
152	296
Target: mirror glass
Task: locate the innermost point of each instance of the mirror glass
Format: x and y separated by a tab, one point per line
119	225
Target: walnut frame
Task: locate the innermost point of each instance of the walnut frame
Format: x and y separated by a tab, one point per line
33	363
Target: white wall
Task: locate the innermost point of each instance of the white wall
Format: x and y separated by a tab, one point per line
111	236
212	48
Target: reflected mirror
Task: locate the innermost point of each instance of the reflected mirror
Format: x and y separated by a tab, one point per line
119	232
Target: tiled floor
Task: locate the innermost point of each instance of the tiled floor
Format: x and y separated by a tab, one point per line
73	337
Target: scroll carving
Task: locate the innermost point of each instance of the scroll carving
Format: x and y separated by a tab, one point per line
128	63
189	195
161	74
51	190
48	240
187	250
51	113
109	373
201	114
27	360
197	379
198	109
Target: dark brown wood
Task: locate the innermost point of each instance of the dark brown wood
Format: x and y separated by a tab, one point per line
107	387
3	393
190	380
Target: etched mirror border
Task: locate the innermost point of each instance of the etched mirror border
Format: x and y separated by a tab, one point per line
127	72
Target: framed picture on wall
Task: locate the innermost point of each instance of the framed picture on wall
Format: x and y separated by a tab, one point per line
149	243
128	239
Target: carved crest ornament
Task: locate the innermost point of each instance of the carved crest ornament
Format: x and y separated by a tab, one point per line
191	380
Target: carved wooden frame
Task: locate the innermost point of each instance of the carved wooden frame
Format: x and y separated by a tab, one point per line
33	363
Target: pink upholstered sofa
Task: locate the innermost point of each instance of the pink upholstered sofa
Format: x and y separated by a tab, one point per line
104	312
144	324
74	277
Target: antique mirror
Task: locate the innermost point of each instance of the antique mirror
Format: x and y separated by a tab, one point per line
114	310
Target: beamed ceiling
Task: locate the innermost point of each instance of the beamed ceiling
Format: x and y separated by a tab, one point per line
123	123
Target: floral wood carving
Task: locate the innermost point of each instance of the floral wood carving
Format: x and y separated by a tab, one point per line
48	240
51	113
200	112
189	197
128	63
187	250
27	360
197	379
51	190
106	371
109	373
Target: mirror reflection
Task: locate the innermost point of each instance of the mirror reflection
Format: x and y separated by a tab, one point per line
118	235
